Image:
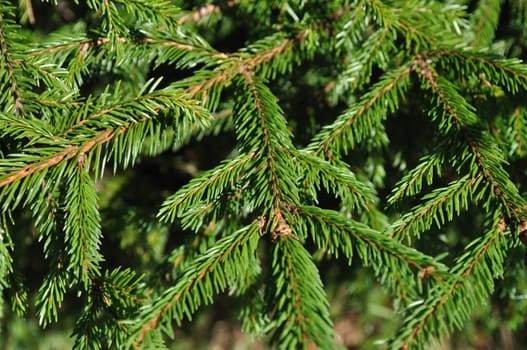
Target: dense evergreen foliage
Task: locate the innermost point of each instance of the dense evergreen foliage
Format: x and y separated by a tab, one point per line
157	157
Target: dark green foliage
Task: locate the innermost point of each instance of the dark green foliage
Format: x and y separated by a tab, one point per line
156	156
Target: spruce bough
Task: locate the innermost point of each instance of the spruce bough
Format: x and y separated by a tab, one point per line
386	134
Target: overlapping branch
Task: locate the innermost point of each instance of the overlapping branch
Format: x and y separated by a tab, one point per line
222	265
448	304
465	122
12	92
362	118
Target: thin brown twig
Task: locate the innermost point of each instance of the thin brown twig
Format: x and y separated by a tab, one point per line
207	10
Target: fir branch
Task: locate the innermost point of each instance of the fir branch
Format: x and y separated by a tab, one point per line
17	294
49	221
391	260
484	22
487	157
7	283
10	87
349	38
508	73
6	245
50	295
450	303
382	13
80	45
34	163
17	168
412	183
186	52
457	112
375	51
182	257
421	35
334	179
111	299
112	23
439	207
222	265
163	12
205	188
300	311
268	57
261	128
518	131
352	28
361	119
82	224
149	104
175	46
416	32
32	130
